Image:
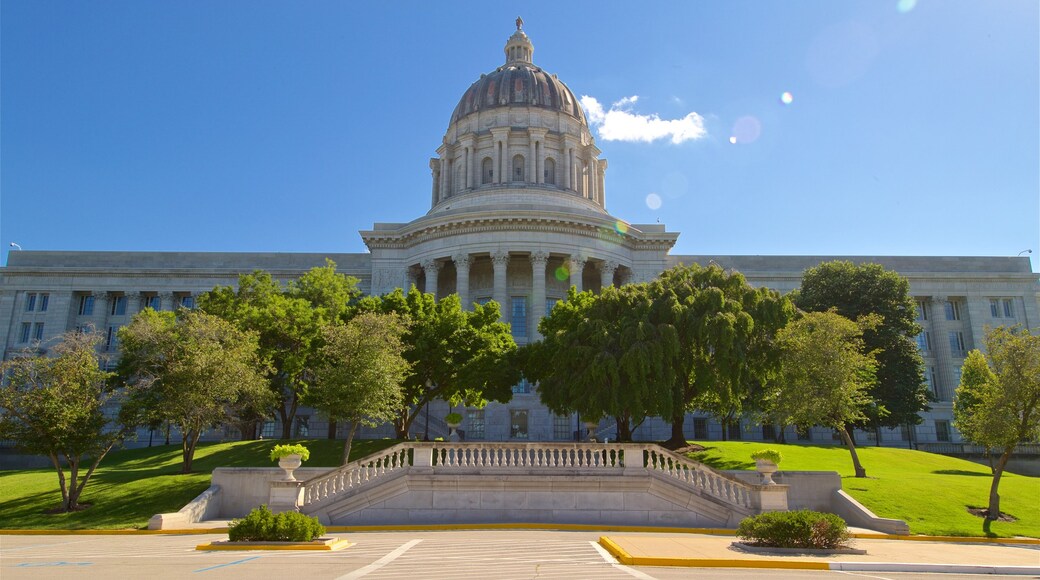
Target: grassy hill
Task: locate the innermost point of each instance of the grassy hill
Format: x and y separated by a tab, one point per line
132	485
930	492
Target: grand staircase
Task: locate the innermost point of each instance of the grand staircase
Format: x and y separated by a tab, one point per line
576	483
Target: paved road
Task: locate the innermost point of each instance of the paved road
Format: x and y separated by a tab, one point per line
410	555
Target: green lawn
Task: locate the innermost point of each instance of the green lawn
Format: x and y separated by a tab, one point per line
930	492
133	485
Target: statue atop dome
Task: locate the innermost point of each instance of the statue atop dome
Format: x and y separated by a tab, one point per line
519	23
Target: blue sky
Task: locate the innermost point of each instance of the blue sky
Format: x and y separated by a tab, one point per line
913	128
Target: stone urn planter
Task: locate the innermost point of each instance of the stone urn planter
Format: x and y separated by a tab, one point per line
590	428
289	458
453	421
290	463
767	468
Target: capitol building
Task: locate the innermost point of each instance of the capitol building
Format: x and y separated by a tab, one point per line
518	214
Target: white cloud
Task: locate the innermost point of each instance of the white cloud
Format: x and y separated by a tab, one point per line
620	124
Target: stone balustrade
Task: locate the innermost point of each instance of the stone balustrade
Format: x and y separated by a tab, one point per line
456	457
357	473
699	476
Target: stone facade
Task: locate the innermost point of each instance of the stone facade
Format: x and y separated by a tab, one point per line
518	215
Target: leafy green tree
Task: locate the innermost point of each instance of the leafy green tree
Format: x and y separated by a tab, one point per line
997	404
463	357
288	321
605	355
825	376
858	290
192	369
725	331
55	406
361	372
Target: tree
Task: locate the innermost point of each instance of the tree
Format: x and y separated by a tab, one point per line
858	290
997	404
55	406
459	356
288	321
604	355
190	368
361	371
825	375
725	331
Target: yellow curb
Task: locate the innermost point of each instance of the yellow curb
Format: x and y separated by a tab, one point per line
333	547
112	532
630	560
961	539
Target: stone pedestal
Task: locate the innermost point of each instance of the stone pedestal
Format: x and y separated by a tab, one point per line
285	496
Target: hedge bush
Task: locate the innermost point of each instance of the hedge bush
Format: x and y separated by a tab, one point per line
263	526
797	529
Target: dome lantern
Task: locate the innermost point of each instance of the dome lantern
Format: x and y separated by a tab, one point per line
518	47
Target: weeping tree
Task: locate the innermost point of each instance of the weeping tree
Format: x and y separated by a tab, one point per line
604	355
998	400
55	406
725	332
360	373
825	376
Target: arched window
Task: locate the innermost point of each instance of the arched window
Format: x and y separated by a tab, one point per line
487	174
550	171
518	168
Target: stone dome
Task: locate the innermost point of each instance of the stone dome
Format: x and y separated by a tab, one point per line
518	82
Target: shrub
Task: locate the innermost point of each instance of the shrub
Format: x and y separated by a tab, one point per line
281	451
768	454
263	526
453	418
797	529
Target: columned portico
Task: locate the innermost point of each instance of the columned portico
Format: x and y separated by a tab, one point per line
432	269
462	279
500	263
539	260
606	273
941	346
576	267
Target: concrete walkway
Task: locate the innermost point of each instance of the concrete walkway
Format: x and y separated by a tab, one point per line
883	555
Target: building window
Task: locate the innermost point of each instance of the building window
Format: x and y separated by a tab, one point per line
803	433
118	306
953	311
922	310
549	174
924	343
519	318
904	432
475	424
112	337
44	299
734	431
518	168
30	302
524	386
152	302
942	430
487	173
86	305
518	424
768	432
957	343
38	331
1009	308
267	430
700	429
550	303
188	302
929	379
23	336
562	427
303	428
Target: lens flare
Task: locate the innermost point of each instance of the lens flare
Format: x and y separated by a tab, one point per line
905	6
621	227
746	129
562	273
786	98
653	201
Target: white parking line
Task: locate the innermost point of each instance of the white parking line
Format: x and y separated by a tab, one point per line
364	571
613	562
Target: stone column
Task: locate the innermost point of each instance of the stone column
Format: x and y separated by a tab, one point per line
602	183
465	167
133	302
435	175
576	265
496	164
593	171
432	269
532	165
444	179
566	167
462	279
410	278
100	317
500	263
941	350
166	301
606	273
539	260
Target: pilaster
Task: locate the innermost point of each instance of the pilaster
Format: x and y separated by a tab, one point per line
941	346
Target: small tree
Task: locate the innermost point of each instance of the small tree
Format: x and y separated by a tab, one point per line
193	370
54	406
825	375
361	371
998	401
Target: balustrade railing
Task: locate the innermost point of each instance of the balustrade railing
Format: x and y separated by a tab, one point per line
449	457
355	474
